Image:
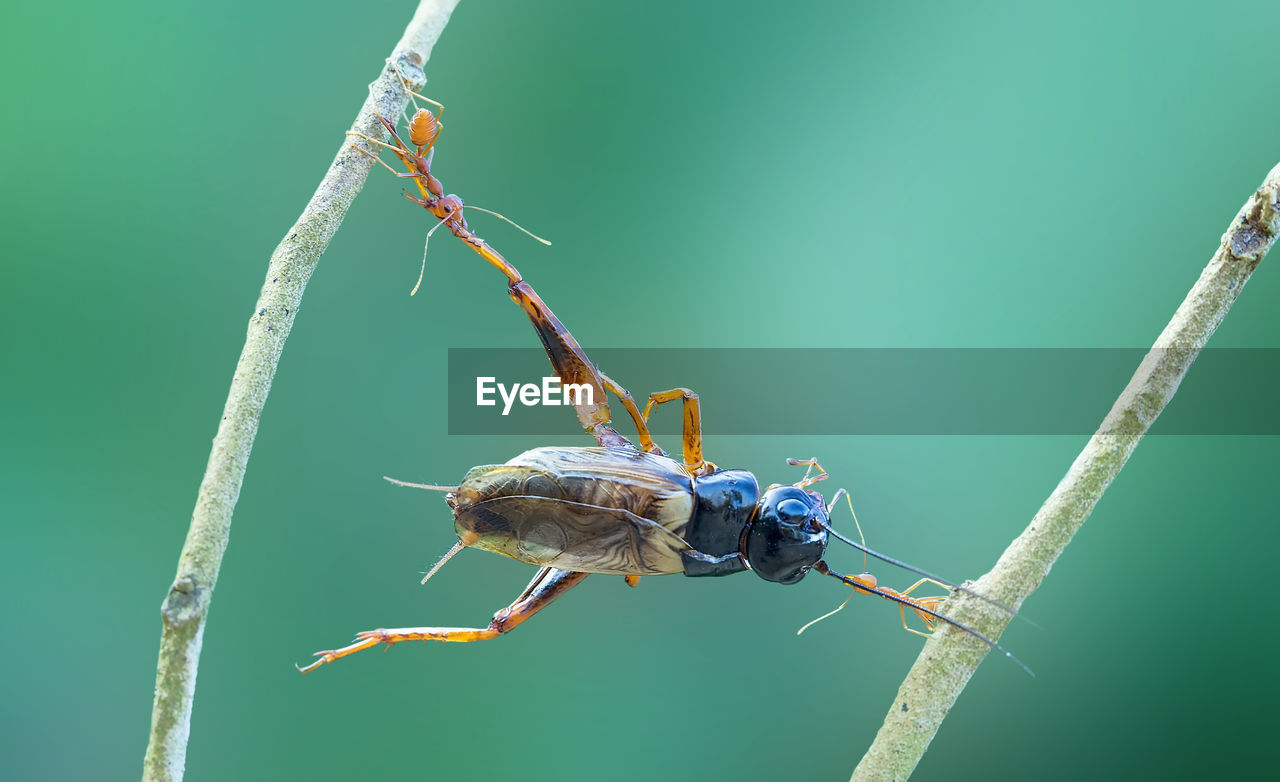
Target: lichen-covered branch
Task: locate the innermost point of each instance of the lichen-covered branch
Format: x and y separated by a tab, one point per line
185	608
950	657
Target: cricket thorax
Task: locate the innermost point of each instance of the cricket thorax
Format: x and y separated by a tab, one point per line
723	504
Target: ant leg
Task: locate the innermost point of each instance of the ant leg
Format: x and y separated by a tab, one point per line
439	106
938	584
436	122
399	147
866	584
404	81
372	140
692	442
930	603
642	427
418	166
379	160
806	481
408	158
427	184
546	586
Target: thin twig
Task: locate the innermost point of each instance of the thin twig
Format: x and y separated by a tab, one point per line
950	658
187	604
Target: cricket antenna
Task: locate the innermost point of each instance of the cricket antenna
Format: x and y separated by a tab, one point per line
922	572
905	566
428	486
918	607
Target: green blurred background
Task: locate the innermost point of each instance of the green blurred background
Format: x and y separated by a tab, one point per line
740	174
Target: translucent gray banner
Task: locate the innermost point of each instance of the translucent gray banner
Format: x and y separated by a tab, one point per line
960	391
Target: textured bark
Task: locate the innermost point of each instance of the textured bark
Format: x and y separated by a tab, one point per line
950	657
186	607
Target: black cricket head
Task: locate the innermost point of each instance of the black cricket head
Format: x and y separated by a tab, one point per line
787	534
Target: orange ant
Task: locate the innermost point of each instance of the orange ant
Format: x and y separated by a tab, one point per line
424	131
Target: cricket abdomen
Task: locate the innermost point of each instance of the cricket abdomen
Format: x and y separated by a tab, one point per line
593	510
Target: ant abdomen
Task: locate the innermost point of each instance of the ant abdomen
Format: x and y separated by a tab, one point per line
423	128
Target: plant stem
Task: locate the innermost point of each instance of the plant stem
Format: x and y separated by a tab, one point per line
185	608
950	657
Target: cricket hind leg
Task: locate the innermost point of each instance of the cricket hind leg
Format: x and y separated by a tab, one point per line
568	361
547	585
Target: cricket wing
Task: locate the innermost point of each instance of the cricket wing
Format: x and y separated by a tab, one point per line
572	535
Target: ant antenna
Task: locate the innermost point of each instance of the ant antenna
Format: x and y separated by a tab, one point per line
451	215
836	501
828	614
518	227
914	605
425	244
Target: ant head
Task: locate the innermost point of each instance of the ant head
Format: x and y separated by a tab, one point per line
787	535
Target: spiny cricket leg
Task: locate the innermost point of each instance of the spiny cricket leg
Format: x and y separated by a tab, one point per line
692	443
567	358
642	427
546	586
570	363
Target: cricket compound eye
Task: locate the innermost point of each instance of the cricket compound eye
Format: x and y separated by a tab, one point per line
787	536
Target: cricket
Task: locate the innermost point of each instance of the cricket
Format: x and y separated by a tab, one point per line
618	508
